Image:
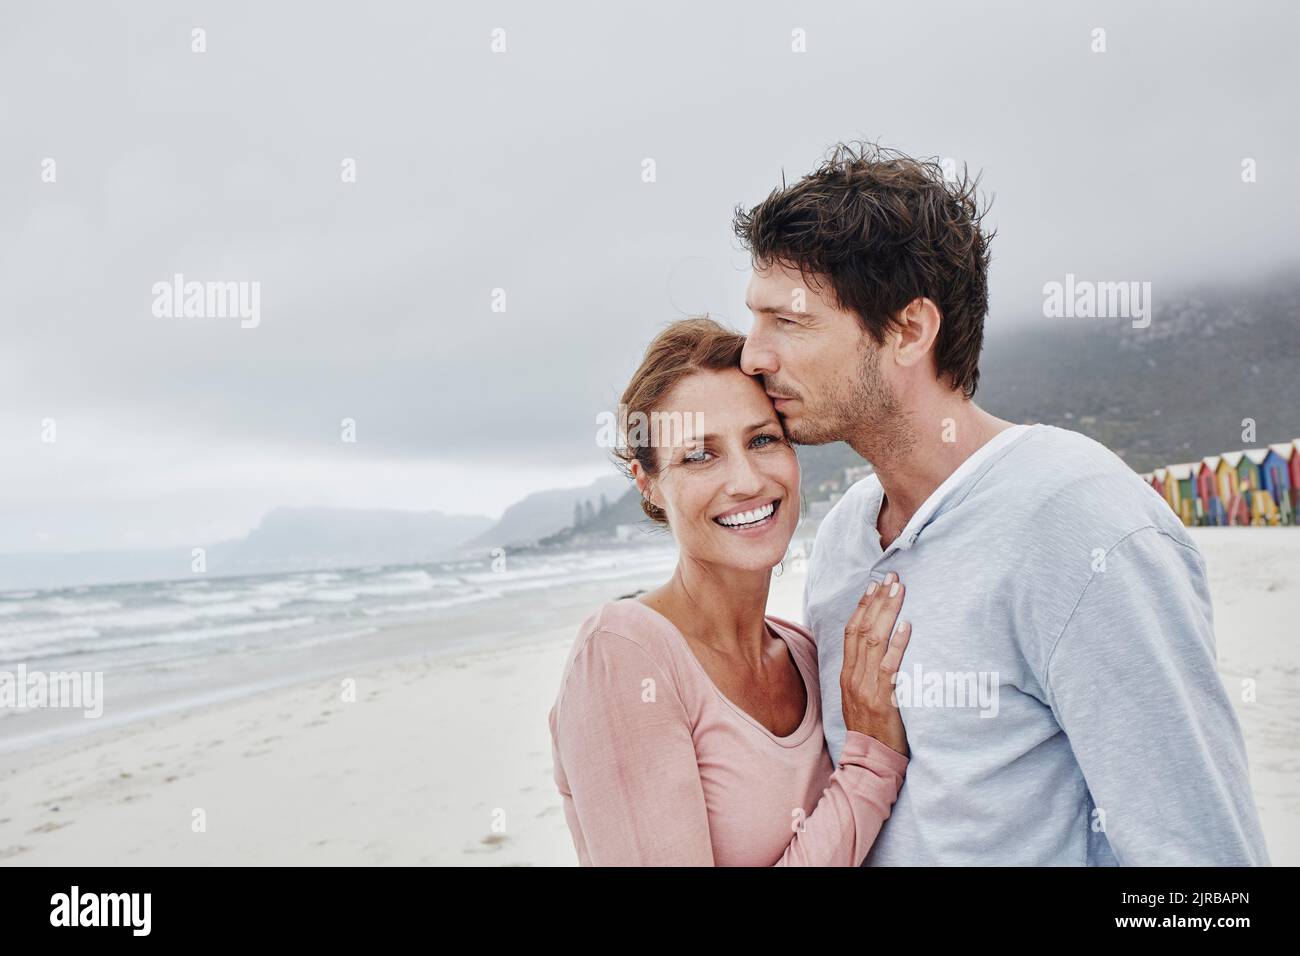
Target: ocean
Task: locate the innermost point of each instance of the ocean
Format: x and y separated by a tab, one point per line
166	644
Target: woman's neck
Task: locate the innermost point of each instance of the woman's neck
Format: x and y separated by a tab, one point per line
720	607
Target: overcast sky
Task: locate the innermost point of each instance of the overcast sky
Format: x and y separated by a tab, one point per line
522	170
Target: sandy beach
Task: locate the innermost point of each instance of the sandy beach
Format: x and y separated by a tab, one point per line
446	759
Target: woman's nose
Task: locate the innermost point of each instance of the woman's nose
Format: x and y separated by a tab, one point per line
743	478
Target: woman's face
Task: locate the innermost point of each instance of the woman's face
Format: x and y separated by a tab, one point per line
728	478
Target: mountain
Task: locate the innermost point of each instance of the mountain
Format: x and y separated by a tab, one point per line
289	538
1174	392
299	539
543	513
602	526
286	539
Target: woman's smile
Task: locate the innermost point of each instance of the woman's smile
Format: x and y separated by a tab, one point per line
750	520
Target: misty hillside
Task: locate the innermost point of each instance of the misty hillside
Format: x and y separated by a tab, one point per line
544	513
1176	391
288	538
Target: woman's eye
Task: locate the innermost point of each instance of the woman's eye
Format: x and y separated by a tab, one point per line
765	440
695	457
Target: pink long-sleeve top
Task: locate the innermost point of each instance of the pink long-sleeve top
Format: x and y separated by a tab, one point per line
656	767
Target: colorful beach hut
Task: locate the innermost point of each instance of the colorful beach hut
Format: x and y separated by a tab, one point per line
1182	478
1275	476
1227	474
1207	490
1168	488
1263	510
1236	507
1248	469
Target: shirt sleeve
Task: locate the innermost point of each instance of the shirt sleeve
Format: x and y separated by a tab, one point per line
1132	680
625	740
853	807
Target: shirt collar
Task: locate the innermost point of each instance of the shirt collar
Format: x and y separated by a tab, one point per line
947	489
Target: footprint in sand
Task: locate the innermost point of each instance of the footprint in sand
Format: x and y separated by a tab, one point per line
50	827
490	843
548	812
12	851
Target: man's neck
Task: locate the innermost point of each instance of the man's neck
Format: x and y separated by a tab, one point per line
911	470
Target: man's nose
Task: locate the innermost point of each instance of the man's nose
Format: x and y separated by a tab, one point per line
756	358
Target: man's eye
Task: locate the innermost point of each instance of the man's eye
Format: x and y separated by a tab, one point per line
784	321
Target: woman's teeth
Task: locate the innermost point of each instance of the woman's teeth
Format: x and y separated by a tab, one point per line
747	518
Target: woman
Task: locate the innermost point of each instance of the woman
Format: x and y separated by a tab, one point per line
687	729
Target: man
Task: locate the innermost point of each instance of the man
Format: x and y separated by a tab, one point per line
1061	699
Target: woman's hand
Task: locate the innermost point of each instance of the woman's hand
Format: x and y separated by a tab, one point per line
871	659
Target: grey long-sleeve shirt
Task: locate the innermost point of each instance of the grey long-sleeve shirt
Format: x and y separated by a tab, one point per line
1059	690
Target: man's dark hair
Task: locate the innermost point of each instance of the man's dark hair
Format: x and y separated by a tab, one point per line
884	228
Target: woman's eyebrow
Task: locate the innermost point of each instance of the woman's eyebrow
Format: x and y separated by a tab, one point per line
752	428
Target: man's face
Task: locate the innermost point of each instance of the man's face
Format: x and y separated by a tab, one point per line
821	368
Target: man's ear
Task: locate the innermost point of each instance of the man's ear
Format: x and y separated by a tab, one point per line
915	332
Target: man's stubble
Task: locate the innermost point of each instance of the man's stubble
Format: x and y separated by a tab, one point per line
861	410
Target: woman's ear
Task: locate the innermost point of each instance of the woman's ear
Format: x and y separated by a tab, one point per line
644	483
641	479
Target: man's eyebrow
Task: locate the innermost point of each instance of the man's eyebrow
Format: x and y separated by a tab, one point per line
777	310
